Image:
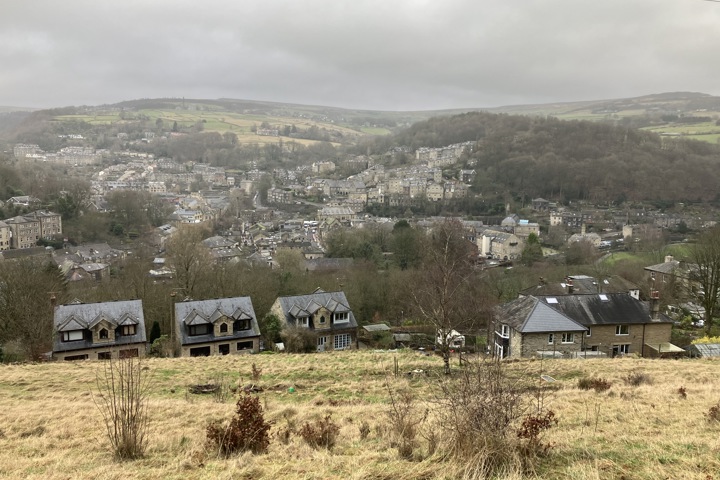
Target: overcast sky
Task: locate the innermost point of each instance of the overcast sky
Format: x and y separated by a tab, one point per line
366	54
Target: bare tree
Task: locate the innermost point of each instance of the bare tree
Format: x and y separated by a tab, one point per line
122	402
188	257
446	293
704	274
26	314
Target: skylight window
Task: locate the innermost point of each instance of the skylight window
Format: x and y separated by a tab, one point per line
552	300
603	297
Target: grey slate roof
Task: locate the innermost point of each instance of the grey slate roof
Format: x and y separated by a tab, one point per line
305	305
198	312
666	267
376	327
582	284
530	315
604	309
84	316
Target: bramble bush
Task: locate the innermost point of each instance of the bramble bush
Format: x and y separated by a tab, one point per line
247	430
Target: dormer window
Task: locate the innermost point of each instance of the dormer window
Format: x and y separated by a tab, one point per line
203	329
302	322
72	336
223	328
103	334
322	320
342	317
129	330
239	325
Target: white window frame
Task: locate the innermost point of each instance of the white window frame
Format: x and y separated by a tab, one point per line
551	339
504	331
321	341
567	338
72	335
341	341
620	328
341	317
589	332
302	322
622	348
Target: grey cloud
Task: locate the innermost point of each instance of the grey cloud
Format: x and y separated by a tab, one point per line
371	54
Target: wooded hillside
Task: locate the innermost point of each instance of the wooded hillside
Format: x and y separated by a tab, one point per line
571	160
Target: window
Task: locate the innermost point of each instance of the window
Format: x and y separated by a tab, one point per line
129	353
302	322
321	341
203	329
622	330
104	356
342	317
239	325
223	328
551	338
342	341
245	345
224	349
589	332
568	338
129	329
622	349
72	336
505	331
322	320
71	358
200	352
103	334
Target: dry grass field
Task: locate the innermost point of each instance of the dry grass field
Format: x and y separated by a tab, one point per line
50	427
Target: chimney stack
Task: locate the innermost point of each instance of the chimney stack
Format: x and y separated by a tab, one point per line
654	304
571	289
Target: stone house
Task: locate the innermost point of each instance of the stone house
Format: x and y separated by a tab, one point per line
500	245
617	323
435	192
99	331
529	327
221	326
343	214
326	314
5	236
50	223
25	231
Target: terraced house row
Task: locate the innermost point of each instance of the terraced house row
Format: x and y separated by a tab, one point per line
222	326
